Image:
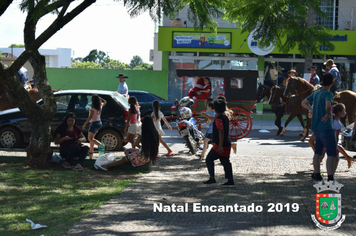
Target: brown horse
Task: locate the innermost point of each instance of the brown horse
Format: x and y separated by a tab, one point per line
282	104
263	91
348	98
6	102
303	89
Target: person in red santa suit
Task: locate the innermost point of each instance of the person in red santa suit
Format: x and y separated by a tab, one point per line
205	92
198	84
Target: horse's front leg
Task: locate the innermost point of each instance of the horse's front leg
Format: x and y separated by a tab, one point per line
278	122
300	118
290	118
306	133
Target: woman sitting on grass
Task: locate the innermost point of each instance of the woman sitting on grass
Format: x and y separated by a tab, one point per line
148	151
70	138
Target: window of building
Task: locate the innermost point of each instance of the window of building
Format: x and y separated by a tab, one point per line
208	54
184	53
210	65
331	9
242	55
279	56
47	60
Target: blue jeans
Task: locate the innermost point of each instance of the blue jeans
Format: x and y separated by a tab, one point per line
327	139
95	126
69	153
225	161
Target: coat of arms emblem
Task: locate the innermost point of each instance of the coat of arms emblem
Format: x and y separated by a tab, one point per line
328	205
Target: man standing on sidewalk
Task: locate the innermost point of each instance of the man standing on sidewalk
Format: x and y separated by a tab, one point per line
322	126
123	89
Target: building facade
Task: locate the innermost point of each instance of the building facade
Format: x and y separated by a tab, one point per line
182	47
55	58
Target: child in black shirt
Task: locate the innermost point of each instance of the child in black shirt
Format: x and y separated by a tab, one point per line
221	145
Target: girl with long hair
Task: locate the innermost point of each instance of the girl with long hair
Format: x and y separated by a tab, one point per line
97	104
157	116
148	151
133	120
230	114
70	138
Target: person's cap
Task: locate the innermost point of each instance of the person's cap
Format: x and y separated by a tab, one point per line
313	68
122	75
329	63
293	71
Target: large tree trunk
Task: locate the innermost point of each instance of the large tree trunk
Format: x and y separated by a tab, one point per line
39	151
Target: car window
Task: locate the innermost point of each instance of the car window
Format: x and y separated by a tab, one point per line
163	99
62	102
151	98
83	102
139	96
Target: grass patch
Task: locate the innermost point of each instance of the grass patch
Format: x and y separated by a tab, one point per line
54	197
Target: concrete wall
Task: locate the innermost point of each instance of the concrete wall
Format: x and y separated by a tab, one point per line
155	82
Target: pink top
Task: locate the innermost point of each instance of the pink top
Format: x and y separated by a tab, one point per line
96	114
133	117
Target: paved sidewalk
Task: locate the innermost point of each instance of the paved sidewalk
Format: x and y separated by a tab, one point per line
262	181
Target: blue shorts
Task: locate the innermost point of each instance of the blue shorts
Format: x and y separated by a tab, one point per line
95	126
327	139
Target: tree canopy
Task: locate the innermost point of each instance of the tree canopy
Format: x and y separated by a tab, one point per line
96	56
136	61
17	46
99	60
274	20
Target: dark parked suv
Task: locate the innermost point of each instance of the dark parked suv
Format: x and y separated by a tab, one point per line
145	100
15	129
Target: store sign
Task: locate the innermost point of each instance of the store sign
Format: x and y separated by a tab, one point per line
254	46
201	40
337	38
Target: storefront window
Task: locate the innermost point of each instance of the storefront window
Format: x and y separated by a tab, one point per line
241	65
210	65
242	55
184	53
279	56
207	54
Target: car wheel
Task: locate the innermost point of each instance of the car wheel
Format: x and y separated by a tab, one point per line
10	138
111	139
